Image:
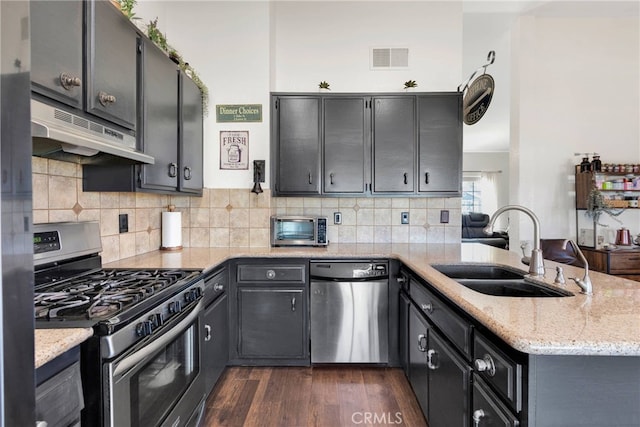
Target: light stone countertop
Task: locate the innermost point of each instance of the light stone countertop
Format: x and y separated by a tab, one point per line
51	343
606	323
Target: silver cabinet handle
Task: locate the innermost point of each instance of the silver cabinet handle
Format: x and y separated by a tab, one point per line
485	364
422	343
218	287
478	415
271	274
432	359
293	303
187	173
106	99
427	308
69	81
207	336
401	279
173	170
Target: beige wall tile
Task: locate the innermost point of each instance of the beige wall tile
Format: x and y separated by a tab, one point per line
382	234
155	217
365	217
239	237
239	218
281	202
364	233
63	168
382	203
312	203
419	217
90	215
396	215
219	218
400	203
199	217
294	211
417	234
400	233
294	202
62	192
142	242
219	197
142	219
435	203
261	200
259	237
155	238
62	215
239	198
259	218
200	202
418	203
87	199
347	234
131	213
40	184
199	237
330	202
109	200
186	237
452	234
39	165
180	201
455	203
219	237
435	234
382	217
40	216
349	217
110	248
366	202
127	245
346	202
109	222
127	200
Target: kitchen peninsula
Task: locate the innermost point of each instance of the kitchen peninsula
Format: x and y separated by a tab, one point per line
585	343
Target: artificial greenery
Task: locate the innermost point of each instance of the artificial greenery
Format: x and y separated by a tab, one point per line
324	85
410	83
597	205
126	6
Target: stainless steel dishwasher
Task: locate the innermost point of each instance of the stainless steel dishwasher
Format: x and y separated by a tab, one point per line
349	311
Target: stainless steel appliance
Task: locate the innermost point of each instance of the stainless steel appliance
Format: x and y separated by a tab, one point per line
349	311
298	230
142	366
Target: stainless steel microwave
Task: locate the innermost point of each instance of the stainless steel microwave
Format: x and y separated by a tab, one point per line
299	231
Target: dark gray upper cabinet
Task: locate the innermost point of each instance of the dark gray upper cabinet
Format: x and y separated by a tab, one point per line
346	132
159	124
440	143
191	137
56	51
296	144
111	59
394	142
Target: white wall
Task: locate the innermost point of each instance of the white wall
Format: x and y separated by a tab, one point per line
575	89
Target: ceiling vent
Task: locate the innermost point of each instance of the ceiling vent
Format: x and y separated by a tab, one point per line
389	58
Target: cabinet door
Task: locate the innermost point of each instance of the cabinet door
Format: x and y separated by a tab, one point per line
487	410
440	143
403	332
111	64
272	323
191	148
418	370
394	144
56	50
345	135
216	341
297	132
159	134
449	383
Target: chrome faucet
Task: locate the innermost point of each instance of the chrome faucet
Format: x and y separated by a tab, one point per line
536	264
585	282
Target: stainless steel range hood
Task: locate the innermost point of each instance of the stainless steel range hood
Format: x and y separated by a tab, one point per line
61	135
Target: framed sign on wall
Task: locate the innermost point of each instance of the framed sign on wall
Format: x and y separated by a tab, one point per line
234	149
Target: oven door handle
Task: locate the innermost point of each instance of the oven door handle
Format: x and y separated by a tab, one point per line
162	341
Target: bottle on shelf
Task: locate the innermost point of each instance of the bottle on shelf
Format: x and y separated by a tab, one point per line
585	165
596	164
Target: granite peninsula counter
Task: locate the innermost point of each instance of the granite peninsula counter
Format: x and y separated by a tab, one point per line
605	323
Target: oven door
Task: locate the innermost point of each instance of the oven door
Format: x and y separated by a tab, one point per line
159	383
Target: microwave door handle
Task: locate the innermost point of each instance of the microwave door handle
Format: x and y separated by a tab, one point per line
148	350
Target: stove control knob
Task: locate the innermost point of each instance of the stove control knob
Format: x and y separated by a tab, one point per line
144	329
156	320
174	307
188	296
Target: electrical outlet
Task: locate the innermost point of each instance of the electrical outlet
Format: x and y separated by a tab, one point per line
337	218
444	216
404	218
123	223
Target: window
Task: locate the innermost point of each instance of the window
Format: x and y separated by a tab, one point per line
471	194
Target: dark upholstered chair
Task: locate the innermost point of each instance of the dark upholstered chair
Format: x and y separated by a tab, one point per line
552	249
472	231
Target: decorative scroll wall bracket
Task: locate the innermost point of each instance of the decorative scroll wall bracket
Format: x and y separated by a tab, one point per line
491	57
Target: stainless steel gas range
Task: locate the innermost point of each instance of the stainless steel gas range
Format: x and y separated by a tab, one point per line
142	366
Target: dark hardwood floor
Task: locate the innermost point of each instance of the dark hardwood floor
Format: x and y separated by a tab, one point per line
312	396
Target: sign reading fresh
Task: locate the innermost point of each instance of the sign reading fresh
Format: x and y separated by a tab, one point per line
226	113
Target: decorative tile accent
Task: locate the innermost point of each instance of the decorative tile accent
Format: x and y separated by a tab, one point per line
77	208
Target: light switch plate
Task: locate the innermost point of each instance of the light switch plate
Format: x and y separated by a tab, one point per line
444	216
337	218
404	218
123	223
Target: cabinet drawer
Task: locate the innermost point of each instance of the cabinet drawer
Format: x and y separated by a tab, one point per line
271	273
624	263
499	370
453	326
487	410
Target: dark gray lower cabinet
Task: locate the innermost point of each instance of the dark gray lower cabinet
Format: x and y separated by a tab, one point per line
487	409
215	351
403	331
418	370
449	382
272	323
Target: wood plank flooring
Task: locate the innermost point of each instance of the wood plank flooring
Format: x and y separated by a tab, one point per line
312	396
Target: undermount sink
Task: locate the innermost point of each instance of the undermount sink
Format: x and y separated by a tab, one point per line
497	280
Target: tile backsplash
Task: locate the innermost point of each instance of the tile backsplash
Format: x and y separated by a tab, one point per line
229	217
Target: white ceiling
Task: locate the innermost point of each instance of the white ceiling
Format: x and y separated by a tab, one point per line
486	27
